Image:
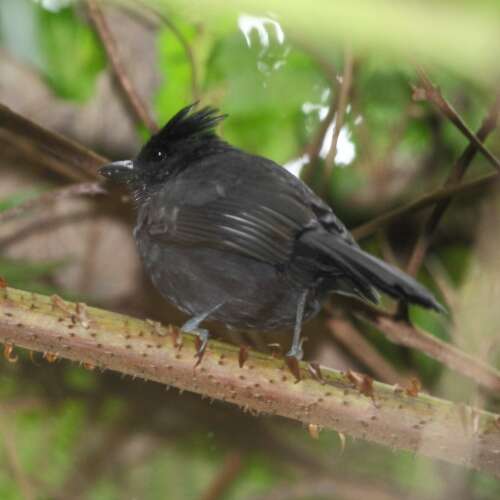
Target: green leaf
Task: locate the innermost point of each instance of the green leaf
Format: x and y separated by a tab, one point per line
17	198
182	69
29	275
71	52
174	65
263	89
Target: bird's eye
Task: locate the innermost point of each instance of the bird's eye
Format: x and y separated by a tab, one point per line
158	155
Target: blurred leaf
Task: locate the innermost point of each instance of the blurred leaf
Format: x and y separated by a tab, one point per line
383	93
79	378
17	198
29	275
72	54
265	114
345	181
47	441
430	31
174	65
456	260
435	324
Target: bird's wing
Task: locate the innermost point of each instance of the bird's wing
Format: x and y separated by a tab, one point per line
264	229
249	209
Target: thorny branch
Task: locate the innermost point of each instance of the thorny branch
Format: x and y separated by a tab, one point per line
137	105
382	414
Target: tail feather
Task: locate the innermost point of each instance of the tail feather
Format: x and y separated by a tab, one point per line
367	271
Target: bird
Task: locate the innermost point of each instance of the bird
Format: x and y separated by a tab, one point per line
233	237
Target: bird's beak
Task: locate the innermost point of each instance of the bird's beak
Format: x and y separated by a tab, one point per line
119	171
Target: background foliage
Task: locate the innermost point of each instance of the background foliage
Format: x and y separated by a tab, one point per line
275	68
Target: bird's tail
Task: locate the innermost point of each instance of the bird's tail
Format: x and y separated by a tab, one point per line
366	271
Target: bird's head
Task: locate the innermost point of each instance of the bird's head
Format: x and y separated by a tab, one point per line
187	137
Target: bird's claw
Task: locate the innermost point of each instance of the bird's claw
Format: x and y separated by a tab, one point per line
296	351
201	343
293	358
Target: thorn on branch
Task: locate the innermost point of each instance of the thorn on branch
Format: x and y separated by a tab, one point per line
414	387
8	353
243	355
294	366
363	383
50	357
315	371
314	430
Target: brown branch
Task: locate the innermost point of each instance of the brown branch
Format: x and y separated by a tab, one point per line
402	333
433	94
38	202
26	488
370	227
455	176
426	425
136	104
345	332
338	486
43	146
225	478
91	462
345	89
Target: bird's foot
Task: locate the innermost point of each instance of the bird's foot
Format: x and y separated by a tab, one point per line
296	350
293	358
201	343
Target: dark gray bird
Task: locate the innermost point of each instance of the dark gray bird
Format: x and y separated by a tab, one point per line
234	237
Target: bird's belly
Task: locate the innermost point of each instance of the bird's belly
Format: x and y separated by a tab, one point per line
251	294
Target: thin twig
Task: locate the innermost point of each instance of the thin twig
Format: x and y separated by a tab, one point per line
345	332
137	105
225	477
455	176
91	462
82	189
370	227
345	89
26	488
338	486
402	333
425	425
433	94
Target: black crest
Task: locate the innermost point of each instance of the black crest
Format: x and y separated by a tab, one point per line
187	137
188	124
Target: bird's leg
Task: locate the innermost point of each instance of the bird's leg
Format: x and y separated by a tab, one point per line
296	349
193	326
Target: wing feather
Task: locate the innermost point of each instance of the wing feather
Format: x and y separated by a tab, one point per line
260	218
